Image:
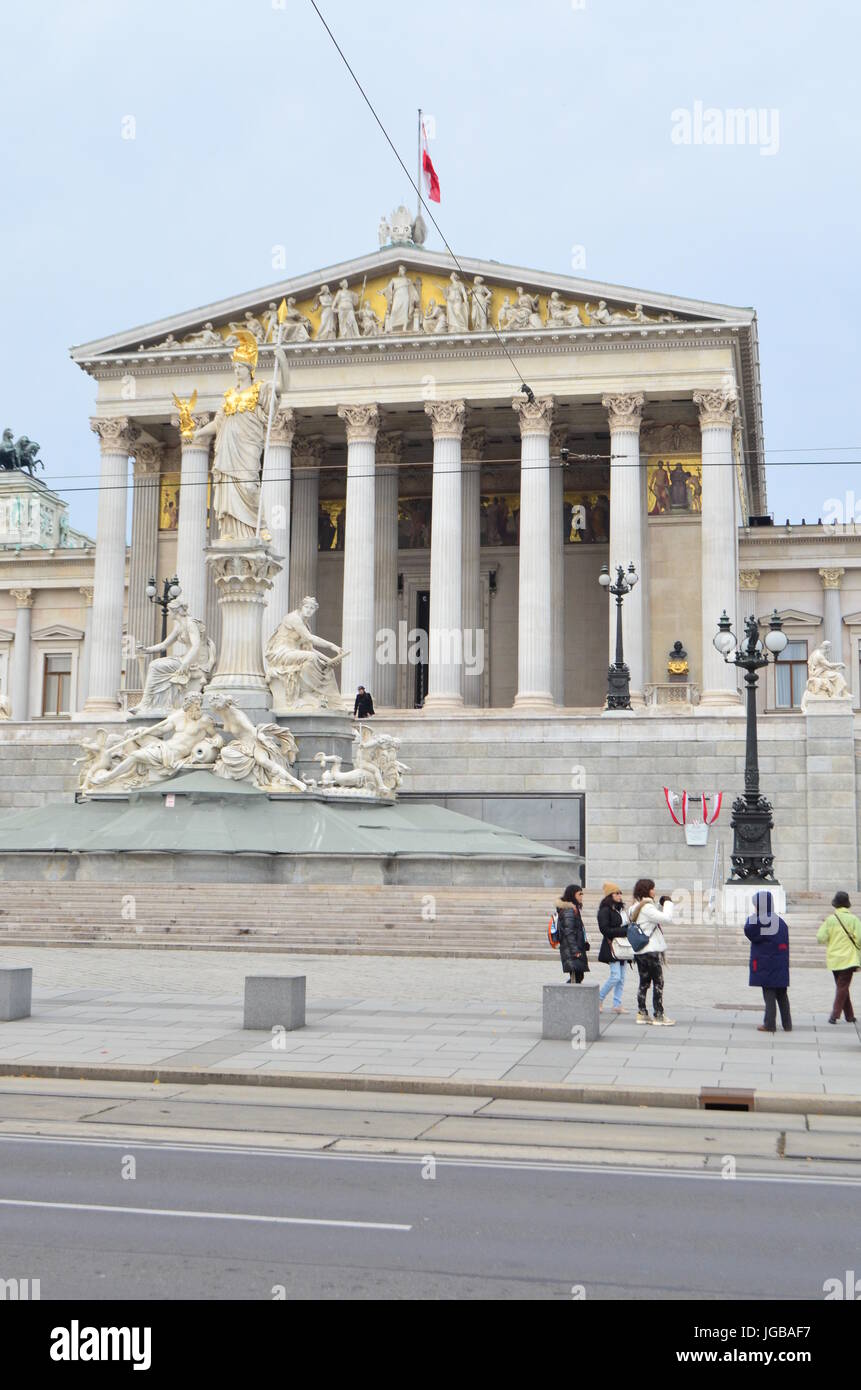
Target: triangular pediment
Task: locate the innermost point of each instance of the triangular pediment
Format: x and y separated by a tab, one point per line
55	630
796	616
516	299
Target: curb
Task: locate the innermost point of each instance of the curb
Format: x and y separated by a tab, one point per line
680	1098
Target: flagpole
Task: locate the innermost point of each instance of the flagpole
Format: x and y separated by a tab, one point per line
419	171
282	314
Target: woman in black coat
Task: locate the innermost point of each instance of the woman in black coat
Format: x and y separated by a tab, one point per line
572	934
612	922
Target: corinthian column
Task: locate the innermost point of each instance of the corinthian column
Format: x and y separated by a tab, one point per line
21	655
117	437
86	592
627	522
534	613
445	637
474	636
389	452
558	436
191	537
276	513
307	457
141	623
719	538
833	617
748	588
357	629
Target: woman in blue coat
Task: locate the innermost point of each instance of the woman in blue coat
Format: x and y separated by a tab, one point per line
768	935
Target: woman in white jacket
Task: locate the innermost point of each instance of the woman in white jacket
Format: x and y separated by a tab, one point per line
647	915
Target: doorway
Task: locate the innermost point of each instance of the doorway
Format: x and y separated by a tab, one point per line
422	628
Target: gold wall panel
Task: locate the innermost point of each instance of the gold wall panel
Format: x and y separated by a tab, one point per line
674	485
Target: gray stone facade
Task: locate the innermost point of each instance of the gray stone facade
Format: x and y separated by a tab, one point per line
810	769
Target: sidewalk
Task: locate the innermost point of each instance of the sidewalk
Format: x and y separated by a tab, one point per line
453	1021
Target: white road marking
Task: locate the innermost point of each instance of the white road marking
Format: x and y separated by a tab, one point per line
413	1160
207	1215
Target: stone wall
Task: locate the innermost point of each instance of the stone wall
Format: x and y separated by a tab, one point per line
620	763
36	763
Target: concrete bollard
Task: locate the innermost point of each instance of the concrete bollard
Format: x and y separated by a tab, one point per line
274	1001
566	1007
16	992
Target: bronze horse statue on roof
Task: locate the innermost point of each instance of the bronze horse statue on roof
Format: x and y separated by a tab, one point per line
19	455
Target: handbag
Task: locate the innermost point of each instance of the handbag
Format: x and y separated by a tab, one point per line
621	948
656	944
637	938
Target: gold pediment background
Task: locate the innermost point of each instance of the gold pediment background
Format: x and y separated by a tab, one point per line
432	288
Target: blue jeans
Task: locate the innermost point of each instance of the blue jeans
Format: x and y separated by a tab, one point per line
615	978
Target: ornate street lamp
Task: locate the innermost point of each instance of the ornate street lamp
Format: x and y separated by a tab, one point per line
170	591
752	821
618	675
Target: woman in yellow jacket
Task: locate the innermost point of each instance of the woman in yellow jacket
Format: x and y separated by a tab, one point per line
842	933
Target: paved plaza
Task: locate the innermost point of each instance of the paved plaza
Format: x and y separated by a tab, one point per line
452	1020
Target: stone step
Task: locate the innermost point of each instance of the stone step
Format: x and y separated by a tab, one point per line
393	949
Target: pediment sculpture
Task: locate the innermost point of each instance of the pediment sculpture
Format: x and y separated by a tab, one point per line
346	312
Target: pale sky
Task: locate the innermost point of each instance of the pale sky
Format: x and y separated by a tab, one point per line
554	125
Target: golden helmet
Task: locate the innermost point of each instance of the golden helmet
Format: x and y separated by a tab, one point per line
246	349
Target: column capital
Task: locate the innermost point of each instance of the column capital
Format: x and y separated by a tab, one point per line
718	409
535	416
625	411
831	577
202	418
308	450
390	449
23	597
86	592
447	418
362	421
558	436
147	454
117	436
748	579
473	445
283	427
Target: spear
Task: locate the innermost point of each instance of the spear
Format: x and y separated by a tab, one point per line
282	316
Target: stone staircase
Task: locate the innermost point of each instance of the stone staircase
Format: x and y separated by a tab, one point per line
346	919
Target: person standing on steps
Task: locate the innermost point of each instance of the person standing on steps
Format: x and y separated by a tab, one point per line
768	935
612	922
645	913
363	705
841	933
572	934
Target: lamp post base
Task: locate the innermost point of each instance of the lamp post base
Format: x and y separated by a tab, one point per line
618	687
752	857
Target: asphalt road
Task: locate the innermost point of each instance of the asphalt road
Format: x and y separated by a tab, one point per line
198	1221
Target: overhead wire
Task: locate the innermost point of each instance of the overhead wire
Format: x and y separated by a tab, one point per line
527	390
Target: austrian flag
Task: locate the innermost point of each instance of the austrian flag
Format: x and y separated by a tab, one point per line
430	174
